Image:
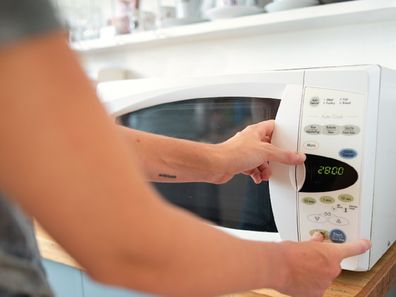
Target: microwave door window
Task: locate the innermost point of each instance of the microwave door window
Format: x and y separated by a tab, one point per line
239	203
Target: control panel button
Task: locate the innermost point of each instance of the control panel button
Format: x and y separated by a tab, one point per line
339	221
317	218
312	129
327	199
348	153
345	198
309	200
325	233
337	236
331	129
311	145
350	130
314	101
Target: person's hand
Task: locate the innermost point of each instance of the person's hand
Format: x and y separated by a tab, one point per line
308	268
249	151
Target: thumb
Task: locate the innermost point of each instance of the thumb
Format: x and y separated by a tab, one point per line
317	236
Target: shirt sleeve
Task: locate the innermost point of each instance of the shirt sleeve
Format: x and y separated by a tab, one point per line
21	19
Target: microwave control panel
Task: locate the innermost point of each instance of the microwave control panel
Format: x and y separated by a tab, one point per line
331	137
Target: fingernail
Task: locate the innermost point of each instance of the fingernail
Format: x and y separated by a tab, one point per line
302	157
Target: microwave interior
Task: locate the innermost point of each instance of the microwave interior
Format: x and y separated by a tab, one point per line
237	204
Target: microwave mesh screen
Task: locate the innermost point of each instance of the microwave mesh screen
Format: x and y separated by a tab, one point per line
239	203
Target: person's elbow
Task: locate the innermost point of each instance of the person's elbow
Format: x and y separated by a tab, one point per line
120	272
104	270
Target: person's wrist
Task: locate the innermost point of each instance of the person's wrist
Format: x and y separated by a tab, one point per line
219	164
277	263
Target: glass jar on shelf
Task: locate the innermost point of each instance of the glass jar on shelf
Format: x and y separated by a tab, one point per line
83	22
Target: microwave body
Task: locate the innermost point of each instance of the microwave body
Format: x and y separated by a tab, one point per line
340	117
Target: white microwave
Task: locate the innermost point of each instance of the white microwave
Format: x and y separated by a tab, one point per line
342	118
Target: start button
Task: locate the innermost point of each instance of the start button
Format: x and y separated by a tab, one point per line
337	236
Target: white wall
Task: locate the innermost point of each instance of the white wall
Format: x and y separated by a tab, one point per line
349	44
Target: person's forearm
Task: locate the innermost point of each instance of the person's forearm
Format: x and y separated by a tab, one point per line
179	255
249	151
166	159
65	163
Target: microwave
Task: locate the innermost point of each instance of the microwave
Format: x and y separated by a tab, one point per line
341	117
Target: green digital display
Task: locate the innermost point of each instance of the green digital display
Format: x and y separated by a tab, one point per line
331	170
324	174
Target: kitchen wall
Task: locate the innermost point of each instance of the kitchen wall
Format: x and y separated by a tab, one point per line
336	45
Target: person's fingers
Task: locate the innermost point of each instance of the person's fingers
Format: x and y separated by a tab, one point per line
354	248
265	171
273	153
255	175
317	236
256	178
248	172
263	166
264	129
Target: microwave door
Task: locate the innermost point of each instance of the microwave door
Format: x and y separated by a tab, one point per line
240	207
119	102
239	204
286	180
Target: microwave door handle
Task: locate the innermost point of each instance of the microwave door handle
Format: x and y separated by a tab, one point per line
283	183
297	176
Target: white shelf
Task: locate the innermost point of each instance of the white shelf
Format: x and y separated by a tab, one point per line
343	13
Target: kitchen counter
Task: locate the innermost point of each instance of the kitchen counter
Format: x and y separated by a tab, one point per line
374	283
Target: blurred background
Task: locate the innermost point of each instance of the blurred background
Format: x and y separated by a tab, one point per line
95	19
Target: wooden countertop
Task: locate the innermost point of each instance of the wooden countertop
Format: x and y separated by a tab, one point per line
374	283
51	250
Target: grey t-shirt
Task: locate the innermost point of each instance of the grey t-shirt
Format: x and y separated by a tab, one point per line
21	272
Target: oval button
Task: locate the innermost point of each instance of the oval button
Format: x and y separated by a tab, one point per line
312	129
309	200
331	129
327	199
345	198
348	153
339	221
314	101
317	218
350	130
311	145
